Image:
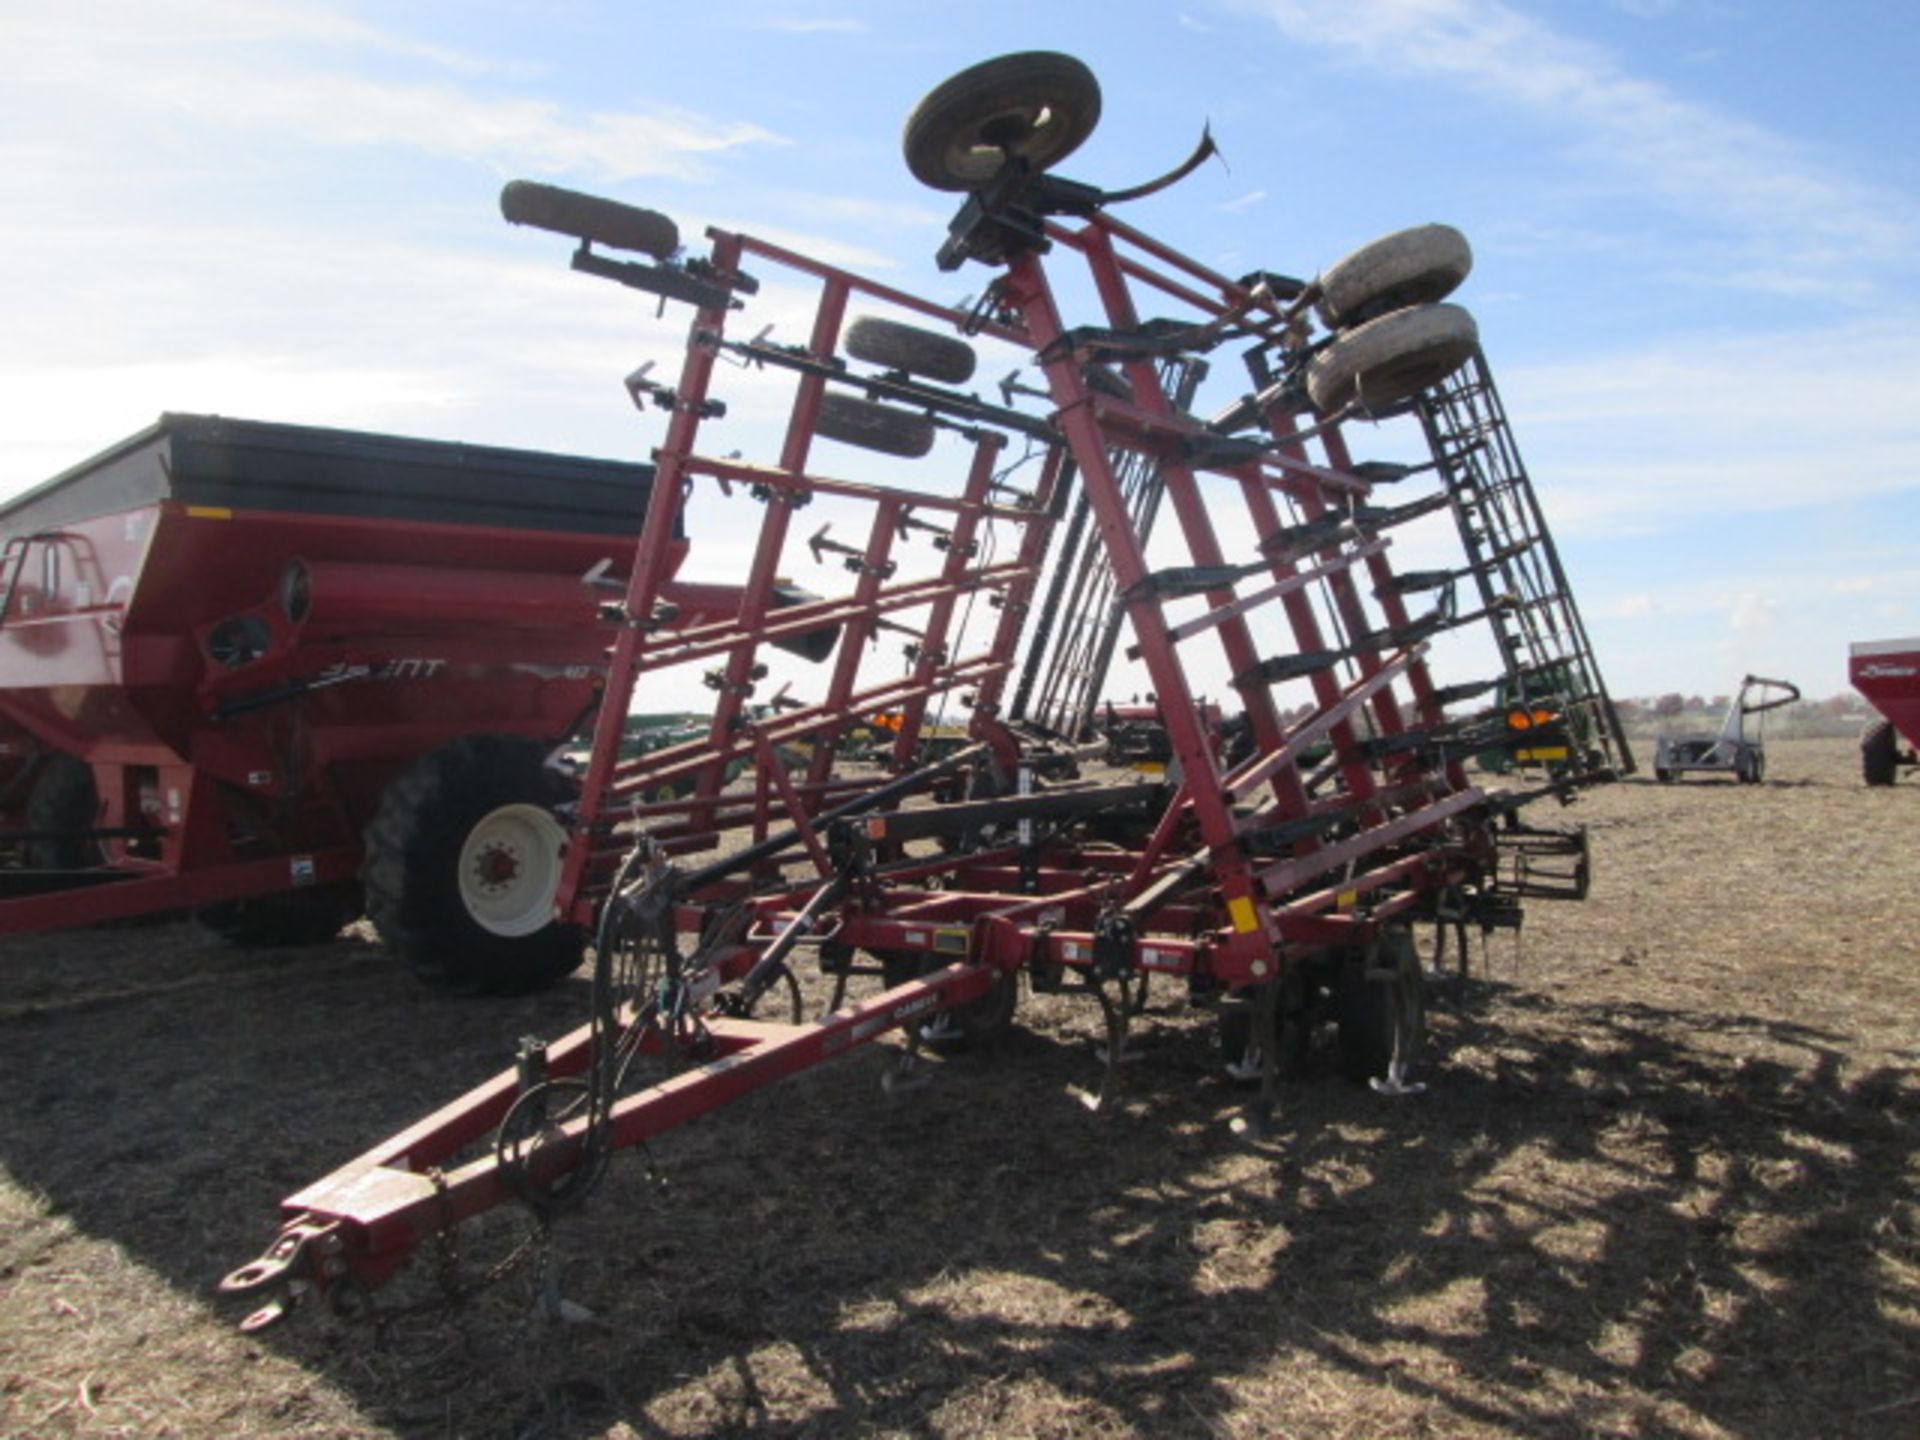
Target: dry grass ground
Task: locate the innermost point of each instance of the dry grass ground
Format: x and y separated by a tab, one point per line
1663	1185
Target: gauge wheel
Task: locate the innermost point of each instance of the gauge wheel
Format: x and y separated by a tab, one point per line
945	358
965	1025
883	428
589	217
1391	359
1365	1004
1409	267
463	864
1036	106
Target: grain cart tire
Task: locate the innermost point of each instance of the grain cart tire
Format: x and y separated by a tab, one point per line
1879	754
1363	1006
65	802
1036	105
885	428
293	917
945	358
1408	267
1392	359
463	862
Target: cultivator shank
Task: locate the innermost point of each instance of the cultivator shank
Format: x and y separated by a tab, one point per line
923	807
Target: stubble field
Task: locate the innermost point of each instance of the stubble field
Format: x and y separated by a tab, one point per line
1663	1183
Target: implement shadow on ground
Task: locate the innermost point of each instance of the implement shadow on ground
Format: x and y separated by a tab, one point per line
1600	1216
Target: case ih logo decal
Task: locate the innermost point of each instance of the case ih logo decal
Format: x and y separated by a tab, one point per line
1880	670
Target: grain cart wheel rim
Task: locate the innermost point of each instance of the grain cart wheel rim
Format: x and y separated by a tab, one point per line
462	858
1409	267
1036	105
882	428
510	869
1879	754
945	358
1392	359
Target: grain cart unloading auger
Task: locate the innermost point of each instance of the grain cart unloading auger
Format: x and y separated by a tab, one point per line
1279	890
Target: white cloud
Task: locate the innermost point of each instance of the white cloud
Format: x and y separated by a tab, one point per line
262	72
1751	612
797	26
1793	204
1721	424
1244	202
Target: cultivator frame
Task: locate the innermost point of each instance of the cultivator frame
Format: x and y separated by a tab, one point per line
1270	884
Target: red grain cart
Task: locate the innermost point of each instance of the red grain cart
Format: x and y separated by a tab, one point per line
274	673
1887	672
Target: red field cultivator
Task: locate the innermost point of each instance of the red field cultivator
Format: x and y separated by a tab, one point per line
1303	862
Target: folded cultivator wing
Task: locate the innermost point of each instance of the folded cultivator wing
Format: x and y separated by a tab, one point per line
924	806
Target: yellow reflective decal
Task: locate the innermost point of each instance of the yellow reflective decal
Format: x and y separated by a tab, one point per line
210	512
1245	918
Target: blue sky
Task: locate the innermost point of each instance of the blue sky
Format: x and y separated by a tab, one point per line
1694	222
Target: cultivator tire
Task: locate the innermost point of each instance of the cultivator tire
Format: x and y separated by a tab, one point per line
1363	1007
945	358
882	428
63	800
1390	360
463	862
589	217
1036	106
1409	267
1879	754
295	917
